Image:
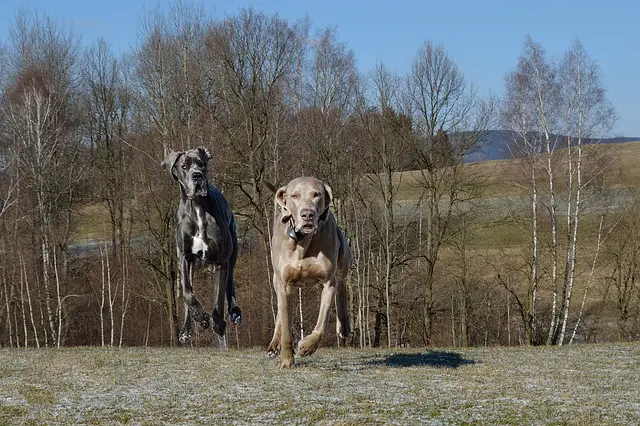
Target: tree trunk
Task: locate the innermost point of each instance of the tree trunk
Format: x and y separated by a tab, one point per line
102	292
8	307
589	281
33	322
531	328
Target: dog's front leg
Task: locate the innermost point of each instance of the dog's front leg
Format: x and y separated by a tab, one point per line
185	274
274	347
192	305
285	312
310	344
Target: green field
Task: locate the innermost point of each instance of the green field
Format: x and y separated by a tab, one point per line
578	384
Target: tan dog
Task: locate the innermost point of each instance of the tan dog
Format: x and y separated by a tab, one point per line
307	249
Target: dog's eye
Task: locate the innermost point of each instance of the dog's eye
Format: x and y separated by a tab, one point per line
294	196
184	167
316	194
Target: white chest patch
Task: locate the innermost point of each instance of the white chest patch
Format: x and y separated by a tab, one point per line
199	244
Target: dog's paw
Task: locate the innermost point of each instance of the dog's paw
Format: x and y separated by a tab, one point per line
219	324
309	344
200	316
184	337
235	315
343	331
273	351
286	363
220	328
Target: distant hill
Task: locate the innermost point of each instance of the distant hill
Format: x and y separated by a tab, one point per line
620	139
495	143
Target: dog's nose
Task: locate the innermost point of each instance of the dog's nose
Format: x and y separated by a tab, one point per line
197	176
307	215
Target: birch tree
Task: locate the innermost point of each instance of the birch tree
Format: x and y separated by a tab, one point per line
545	107
528	111
589	116
42	122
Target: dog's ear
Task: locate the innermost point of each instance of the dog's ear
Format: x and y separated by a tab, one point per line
169	161
328	196
206	154
281	198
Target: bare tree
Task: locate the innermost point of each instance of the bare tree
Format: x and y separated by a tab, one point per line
170	97
449	122
623	271
251	56
530	104
331	95
108	108
589	116
9	183
41	119
384	128
545	99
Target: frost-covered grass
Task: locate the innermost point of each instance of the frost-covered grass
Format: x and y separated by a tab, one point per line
586	384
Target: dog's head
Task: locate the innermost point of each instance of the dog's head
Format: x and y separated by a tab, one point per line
305	203
189	168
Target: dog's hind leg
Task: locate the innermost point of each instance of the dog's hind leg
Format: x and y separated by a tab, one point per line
219	286
235	315
192	305
343	323
185	332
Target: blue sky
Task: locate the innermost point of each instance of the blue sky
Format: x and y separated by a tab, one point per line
483	37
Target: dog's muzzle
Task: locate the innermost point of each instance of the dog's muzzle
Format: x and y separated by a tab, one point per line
297	234
199	185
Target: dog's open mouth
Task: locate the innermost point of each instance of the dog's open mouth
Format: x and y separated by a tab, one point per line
307	228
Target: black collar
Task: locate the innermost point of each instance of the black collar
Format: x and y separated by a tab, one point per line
295	236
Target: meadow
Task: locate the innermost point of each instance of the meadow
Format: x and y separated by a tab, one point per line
594	384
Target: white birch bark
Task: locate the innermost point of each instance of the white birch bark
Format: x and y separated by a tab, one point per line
33	322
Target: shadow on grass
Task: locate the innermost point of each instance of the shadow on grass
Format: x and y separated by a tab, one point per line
439	359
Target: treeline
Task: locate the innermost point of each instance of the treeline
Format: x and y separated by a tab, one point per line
87	252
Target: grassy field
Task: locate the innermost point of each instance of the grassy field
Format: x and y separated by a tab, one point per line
583	384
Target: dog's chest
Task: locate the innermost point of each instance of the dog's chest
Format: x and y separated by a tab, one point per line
199	243
205	235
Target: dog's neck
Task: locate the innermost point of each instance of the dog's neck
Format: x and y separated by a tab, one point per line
300	242
197	199
199	204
